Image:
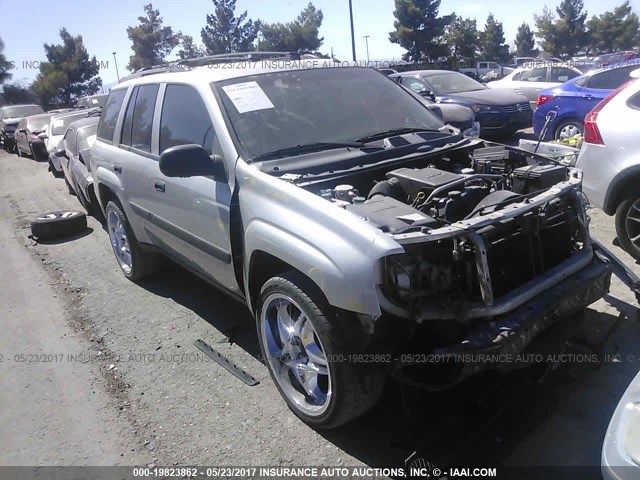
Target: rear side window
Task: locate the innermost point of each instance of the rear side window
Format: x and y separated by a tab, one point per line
534	75
610	79
109	116
184	119
562	74
143	117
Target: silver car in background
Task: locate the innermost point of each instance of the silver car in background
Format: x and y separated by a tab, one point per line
610	160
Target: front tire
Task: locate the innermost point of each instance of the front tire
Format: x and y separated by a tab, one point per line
307	346
628	225
134	262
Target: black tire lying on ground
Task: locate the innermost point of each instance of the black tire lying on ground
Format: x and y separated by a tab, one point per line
53	225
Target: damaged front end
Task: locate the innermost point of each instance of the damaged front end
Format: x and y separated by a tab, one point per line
477	292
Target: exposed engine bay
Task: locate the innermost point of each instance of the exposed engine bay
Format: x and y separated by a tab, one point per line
496	241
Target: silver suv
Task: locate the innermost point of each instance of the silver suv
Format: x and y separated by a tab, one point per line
366	237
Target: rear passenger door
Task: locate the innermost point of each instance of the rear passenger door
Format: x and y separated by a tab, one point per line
598	86
193	212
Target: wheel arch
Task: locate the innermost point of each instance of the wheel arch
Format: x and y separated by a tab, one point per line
624	182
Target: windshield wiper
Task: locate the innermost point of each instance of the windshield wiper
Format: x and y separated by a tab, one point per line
306	148
394	131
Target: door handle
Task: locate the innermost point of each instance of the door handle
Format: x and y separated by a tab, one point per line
588	96
159	185
117	168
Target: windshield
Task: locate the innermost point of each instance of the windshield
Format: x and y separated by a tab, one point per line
20	111
282	110
39	124
86	137
59	125
453	82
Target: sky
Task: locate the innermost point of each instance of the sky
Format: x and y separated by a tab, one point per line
103	25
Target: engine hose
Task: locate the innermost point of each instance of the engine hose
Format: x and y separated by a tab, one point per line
389	188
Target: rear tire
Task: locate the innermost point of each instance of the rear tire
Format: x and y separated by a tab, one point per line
134	262
568	129
307	344
628	225
53	170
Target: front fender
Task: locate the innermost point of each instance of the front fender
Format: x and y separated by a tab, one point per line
338	251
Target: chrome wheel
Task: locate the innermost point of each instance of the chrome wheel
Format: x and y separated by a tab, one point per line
569	131
632	224
295	354
119	241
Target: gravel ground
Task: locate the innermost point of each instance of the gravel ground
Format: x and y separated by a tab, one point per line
171	406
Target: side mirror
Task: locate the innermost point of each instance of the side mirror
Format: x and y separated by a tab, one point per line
192	161
60	152
437	111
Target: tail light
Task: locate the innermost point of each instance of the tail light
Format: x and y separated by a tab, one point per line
591	131
542	99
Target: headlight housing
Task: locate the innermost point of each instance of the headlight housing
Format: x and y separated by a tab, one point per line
482	108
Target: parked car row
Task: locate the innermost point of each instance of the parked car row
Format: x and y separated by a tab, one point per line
62	137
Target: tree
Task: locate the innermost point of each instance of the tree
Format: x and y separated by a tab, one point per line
492	43
565	34
419	30
5	65
547	32
151	42
300	35
188	49
525	43
68	72
15	94
226	33
462	37
615	30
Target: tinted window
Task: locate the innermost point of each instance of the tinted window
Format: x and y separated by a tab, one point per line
534	75
109	116
86	137
125	138
562	74
184	119
581	82
517	76
610	79
143	117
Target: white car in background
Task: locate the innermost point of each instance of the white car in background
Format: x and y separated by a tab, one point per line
58	124
610	162
529	80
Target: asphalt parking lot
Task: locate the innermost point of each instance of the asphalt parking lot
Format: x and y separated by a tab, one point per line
108	367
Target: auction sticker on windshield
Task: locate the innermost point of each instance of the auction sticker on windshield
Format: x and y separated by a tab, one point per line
248	97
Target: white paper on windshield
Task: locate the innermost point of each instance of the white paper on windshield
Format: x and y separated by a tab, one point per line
91	140
248	97
57	122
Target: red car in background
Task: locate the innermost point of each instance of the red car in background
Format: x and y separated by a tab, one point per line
30	135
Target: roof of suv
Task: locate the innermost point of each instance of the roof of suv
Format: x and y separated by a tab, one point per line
226	71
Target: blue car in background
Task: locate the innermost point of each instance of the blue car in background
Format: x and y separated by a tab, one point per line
574	99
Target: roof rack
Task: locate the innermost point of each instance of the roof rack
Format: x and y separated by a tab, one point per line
238	57
182	65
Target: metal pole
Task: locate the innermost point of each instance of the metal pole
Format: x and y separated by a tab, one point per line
116	62
366	39
353	38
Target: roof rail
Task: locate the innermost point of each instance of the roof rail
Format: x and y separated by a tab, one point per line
182	65
238	57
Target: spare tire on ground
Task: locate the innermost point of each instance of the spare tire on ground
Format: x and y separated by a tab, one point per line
54	225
